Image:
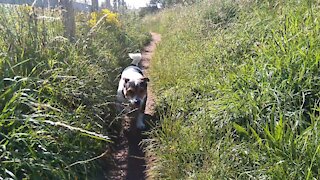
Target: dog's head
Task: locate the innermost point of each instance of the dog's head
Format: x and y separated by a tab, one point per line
135	91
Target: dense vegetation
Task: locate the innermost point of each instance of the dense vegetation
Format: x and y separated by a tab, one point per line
238	91
56	96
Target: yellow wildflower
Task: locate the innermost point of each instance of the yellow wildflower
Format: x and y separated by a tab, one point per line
94	19
110	17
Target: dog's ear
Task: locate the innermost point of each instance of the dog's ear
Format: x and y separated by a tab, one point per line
145	79
126	80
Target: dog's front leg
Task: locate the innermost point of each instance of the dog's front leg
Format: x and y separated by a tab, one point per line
119	101
119	107
140	124
140	119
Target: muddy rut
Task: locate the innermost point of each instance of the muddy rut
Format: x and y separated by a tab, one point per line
129	162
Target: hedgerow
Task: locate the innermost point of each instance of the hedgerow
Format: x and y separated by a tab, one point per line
57	118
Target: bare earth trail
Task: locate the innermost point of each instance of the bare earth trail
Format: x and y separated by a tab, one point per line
129	162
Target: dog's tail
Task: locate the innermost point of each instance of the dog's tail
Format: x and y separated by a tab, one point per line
136	58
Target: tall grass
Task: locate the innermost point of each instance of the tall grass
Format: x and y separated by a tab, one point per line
57	118
238	85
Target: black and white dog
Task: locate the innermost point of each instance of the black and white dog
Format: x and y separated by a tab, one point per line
132	90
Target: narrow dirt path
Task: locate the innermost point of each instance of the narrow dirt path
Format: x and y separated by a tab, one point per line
129	160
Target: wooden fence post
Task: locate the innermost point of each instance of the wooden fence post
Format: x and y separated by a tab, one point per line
108	4
115	5
94	5
68	19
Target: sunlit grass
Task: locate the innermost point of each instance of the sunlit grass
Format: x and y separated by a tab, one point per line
238	87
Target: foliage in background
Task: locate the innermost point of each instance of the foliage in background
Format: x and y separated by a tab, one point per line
148	10
171	3
238	85
56	96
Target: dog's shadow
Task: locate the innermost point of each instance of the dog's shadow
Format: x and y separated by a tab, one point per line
136	156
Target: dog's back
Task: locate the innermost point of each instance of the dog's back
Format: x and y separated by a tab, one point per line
133	71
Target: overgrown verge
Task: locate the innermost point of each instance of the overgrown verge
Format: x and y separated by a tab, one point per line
238	88
56	96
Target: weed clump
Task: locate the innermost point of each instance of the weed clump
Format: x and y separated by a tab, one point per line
221	15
